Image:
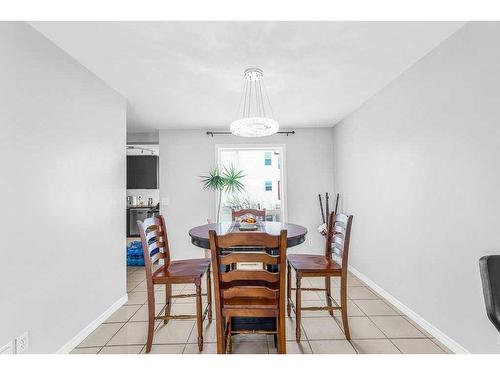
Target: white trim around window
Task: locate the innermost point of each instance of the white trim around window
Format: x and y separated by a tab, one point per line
278	147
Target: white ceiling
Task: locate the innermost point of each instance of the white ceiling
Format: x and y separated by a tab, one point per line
178	75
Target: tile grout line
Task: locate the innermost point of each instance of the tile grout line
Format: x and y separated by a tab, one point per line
123	325
127	322
188	336
404	317
417	327
310	347
387	337
414	338
341	328
403	338
381	299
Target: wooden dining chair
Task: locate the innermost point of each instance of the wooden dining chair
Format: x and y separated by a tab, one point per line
189	271
248	293
260	214
305	265
489	267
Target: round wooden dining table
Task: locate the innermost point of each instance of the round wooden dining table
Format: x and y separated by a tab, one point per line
296	234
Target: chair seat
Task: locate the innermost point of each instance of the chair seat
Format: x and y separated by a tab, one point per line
317	264
181	271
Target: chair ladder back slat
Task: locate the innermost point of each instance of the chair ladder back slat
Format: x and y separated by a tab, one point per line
249	257
337	245
155	245
154	240
338	237
250	292
248	239
154	234
155	257
254	275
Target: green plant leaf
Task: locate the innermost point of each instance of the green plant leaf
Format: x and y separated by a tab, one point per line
214	180
232	179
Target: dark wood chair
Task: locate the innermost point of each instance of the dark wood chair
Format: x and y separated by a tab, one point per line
338	236
248	293
489	267
155	246
260	214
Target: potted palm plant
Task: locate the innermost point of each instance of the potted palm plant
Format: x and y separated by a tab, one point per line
228	179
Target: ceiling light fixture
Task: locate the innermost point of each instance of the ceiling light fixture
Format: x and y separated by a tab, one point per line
254	108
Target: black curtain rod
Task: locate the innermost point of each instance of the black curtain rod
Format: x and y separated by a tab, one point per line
229	133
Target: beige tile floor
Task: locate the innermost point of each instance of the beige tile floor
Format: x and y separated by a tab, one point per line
376	326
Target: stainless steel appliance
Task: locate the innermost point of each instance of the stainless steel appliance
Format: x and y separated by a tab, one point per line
134	215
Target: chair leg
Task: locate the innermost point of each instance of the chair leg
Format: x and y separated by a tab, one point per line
343	304
151	320
168	301
288	289
281	335
328	293
199	321
229	338
275	336
298	308
209	296
219	327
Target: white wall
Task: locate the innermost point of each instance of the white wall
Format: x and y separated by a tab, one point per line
62	161
146	138
187	154
418	166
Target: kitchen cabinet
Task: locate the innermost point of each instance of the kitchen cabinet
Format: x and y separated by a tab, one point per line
142	172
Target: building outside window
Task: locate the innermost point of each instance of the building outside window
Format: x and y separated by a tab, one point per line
269	186
268	158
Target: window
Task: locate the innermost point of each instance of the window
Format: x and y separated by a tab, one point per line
268	158
264	185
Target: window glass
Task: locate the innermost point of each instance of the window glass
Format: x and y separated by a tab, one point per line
262	183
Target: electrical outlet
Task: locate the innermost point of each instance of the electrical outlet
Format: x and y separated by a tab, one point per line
310	242
7	348
22	343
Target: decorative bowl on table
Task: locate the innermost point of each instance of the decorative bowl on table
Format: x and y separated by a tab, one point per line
248	223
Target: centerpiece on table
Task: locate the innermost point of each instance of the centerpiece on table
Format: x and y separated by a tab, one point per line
248	222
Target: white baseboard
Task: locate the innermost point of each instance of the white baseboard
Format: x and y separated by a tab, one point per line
435	332
71	344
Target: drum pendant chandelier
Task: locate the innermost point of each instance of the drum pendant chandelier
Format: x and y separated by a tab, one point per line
254	108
